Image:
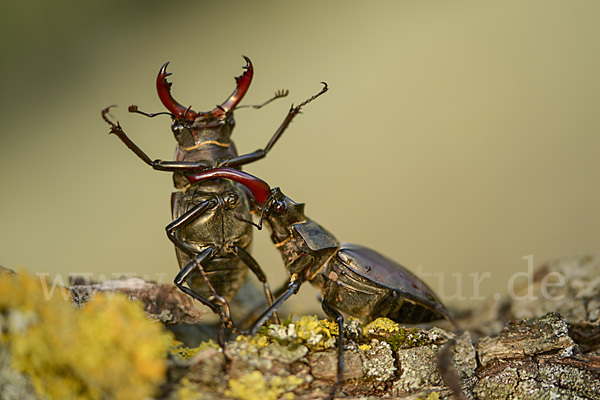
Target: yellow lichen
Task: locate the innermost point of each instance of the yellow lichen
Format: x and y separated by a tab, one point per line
432	396
330	326
190	391
364	347
254	386
382	325
309	330
188	352
257	341
316	333
308	326
396	336
107	349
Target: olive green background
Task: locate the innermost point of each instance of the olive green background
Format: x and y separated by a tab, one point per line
457	137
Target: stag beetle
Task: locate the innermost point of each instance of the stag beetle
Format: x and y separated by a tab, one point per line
351	278
209	230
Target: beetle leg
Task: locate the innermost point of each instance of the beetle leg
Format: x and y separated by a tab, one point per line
185	272
261	153
251	263
117	130
278	94
215	302
169	166
335	315
448	371
183	220
293	288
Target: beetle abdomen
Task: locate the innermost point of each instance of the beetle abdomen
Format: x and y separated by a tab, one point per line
398	307
368	285
226	274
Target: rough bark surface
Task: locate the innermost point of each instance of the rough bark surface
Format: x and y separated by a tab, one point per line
164	303
545	344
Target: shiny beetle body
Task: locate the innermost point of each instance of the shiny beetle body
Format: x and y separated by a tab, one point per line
352	278
368	285
209	230
218	228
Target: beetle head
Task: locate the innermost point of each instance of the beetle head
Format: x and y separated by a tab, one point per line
280	213
192	128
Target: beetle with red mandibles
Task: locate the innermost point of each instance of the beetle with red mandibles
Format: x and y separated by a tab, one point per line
209	230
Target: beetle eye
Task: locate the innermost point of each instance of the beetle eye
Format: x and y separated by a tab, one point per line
182	133
279	207
232	199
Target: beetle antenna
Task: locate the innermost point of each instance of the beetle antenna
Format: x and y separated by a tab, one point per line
263	210
134	109
262	213
242	219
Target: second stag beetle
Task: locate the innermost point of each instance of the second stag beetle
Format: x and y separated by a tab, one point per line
351	278
209	230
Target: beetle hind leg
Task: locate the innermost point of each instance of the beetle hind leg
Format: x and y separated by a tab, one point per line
253	265
215	302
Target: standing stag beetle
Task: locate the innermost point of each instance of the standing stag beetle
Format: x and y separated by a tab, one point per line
351	278
209	230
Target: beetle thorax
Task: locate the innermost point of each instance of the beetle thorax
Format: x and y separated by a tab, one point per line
219	223
205	130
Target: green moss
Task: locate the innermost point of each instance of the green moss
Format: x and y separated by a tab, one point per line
400	340
106	349
188	352
255	386
394	334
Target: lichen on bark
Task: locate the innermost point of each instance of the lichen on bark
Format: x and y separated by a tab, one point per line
537	348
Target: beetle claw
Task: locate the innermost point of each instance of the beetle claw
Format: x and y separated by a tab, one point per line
105	117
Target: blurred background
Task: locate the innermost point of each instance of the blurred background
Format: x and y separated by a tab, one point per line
456	138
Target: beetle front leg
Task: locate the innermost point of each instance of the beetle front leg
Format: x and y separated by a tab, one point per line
169	166
261	153
293	288
183	220
278	95
118	131
300	265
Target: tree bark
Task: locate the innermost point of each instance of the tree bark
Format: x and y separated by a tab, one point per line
542	344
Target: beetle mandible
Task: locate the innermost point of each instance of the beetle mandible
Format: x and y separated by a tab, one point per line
351	278
209	230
